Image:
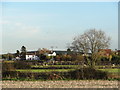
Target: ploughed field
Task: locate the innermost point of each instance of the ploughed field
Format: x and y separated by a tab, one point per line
61	84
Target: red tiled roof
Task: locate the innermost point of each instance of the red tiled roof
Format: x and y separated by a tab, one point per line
106	50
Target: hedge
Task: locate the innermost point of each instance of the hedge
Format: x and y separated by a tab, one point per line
85	73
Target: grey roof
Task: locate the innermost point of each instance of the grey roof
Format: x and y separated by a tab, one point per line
60	52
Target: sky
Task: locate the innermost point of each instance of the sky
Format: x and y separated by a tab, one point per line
45	24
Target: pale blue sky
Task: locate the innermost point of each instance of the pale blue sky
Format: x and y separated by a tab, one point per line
45	24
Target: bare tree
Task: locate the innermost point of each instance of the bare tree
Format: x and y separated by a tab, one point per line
91	41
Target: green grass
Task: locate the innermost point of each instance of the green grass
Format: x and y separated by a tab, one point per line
104	66
9	61
63	70
43	70
73	66
111	70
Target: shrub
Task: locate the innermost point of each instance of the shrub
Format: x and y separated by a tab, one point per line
85	73
9	74
55	76
7	66
88	73
8	70
21	65
116	59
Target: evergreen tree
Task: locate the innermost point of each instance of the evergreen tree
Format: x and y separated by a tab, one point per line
23	53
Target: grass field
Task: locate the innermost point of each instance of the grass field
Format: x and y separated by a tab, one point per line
43	70
74	66
111	70
9	61
63	70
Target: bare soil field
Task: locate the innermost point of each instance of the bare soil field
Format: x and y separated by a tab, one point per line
61	84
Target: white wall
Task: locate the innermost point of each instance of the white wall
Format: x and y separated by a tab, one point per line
31	57
53	54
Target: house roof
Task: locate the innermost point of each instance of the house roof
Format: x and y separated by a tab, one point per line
30	52
60	52
106	50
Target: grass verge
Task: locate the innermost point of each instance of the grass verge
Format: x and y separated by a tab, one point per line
44	70
111	70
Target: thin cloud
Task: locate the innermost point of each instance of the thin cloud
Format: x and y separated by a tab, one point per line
27	32
21	30
4	22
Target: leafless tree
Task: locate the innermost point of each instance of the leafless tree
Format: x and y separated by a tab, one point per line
91	41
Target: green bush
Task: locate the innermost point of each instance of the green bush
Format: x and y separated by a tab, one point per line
9	74
85	73
7	66
88	73
21	65
116	59
32	75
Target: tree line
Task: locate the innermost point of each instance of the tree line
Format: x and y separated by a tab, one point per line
90	41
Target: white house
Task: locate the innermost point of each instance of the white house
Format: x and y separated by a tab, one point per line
17	58
52	54
31	57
